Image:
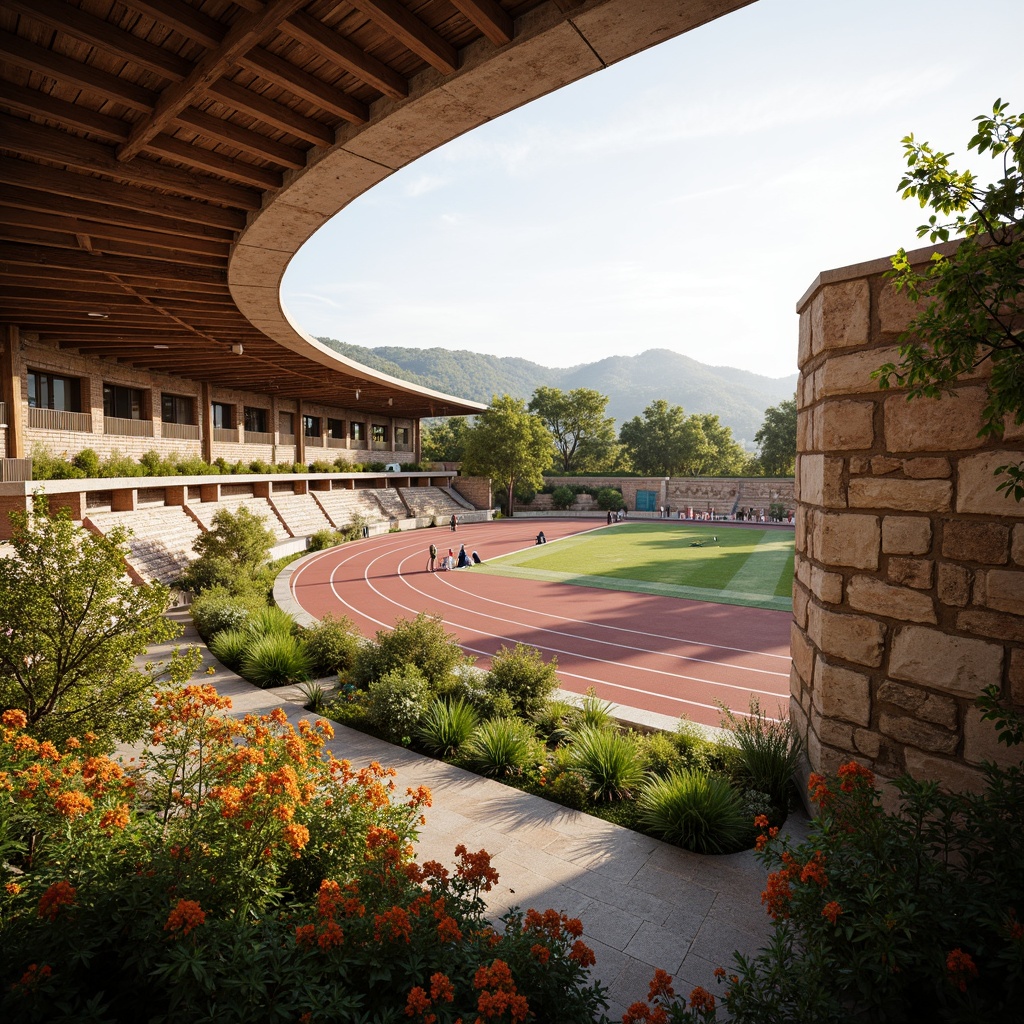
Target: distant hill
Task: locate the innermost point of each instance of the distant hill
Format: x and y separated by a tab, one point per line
630	382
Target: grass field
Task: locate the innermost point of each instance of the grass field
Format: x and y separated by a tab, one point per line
729	565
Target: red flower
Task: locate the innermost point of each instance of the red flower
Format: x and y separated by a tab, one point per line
702	999
60	894
582	954
186	916
831	911
960	968
661	985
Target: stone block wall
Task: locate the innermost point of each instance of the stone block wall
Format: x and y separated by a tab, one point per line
909	590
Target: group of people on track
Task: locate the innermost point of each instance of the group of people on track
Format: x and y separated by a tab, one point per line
451	560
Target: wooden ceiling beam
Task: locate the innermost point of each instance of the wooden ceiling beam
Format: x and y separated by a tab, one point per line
215	163
39	256
57	222
44	201
40	104
241	37
488	16
104	35
248	141
65	71
80	154
412	33
345	54
187	20
270	112
300	83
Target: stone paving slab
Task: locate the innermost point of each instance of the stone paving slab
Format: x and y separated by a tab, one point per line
644	904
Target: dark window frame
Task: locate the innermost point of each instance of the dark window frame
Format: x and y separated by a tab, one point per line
40	383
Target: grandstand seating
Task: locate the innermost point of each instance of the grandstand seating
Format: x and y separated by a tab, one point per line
342	506
301	513
427	502
391	501
160	542
206	510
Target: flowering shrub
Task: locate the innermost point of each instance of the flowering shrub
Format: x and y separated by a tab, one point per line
240	872
887	917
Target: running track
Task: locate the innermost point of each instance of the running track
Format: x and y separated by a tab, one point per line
661	654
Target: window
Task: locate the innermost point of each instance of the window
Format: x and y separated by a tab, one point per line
255	420
335	428
177	409
124	403
380	432
223	415
401	435
311	426
50	391
357	431
286	422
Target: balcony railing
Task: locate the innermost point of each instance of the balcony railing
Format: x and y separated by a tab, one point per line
380	446
228	434
286	439
258	437
60	419
335	442
3	414
15	470
314	442
180	431
123	427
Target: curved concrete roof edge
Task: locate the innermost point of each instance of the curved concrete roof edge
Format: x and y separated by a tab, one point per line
551	49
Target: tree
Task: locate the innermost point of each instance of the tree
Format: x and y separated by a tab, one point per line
584	437
445	441
977	310
73	626
509	444
232	554
716	454
776	439
662	440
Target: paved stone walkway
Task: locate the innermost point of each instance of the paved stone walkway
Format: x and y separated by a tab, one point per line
643	903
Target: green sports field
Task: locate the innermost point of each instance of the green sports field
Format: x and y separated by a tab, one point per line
728	565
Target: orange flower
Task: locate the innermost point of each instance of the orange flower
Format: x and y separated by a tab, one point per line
475	868
448	930
305	934
719	972
582	954
115	817
817	789
441	988
417	1001
540	953
296	836
777	894
761	821
12	888
14	718
419	797
185	917
33	977
60	894
702	999
813	870
331	936
393	924
831	911
661	985
961	968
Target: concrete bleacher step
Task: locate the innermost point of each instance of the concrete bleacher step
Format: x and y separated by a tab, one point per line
160	539
301	514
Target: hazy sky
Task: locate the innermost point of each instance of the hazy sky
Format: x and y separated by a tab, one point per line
684	198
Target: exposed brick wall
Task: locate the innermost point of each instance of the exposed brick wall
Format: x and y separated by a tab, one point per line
909	591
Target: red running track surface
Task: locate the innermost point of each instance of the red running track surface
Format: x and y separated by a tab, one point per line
663	654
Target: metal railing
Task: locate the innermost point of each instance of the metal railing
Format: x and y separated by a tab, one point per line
124	427
181	431
59	419
228	434
314	442
15	470
258	437
335	442
3	414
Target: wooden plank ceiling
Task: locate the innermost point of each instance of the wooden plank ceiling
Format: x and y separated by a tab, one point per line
137	136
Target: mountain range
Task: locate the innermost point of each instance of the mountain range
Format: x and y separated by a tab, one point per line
738	397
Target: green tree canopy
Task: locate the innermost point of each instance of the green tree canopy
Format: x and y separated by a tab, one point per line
233	554
584	436
73	625
977	312
776	440
509	444
716	453
445	441
662	440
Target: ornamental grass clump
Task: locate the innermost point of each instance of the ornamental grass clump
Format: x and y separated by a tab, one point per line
609	761
229	645
446	725
698	812
501	747
274	659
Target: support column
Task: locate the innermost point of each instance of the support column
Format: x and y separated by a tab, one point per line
10	391
206	420
300	433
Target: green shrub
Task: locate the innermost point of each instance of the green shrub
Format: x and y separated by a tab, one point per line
699	751
554	719
446	725
567	788
117	464
609	761
88	462
218	609
324	539
522	674
698	812
660	756
192	465
154	464
332	645
321	466
233	554
421	642
501	746
594	713
563	497
229	645
397	702
50	467
767	752
259	466
274	659
609	499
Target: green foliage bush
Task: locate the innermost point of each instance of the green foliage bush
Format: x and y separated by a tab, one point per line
522	674
562	497
324	539
421	642
218	609
233	554
767	754
609	499
502	747
229	645
397	702
51	467
274	659
88	462
117	464
270	619
446	725
659	755
698	812
332	645
594	713
609	761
